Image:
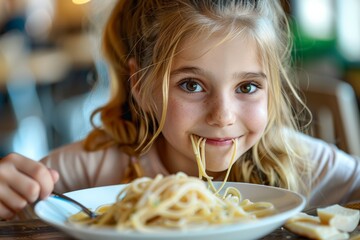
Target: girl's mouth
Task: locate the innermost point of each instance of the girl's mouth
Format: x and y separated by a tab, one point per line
220	141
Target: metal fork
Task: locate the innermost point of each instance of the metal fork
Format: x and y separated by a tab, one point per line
87	211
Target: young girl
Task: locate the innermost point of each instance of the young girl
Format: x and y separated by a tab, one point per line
183	70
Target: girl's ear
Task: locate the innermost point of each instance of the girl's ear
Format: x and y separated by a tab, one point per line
135	89
133	80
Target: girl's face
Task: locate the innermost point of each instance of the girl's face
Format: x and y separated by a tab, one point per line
216	92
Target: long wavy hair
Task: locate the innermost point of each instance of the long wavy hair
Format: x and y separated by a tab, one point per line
151	33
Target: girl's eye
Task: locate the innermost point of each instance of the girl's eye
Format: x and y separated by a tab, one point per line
191	86
247	88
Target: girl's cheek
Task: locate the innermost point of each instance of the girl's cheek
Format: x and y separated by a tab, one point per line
256	119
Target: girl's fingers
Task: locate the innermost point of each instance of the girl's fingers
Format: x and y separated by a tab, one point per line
42	181
23	181
11	202
26	187
11	180
5	212
54	174
38	182
30	179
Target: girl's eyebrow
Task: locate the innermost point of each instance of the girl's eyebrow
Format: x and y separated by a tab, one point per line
240	75
182	70
250	75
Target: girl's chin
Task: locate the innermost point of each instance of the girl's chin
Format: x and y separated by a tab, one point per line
221	164
216	168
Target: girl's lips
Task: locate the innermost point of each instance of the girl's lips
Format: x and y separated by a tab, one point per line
219	141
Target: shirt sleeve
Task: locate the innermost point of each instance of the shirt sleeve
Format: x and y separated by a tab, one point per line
79	169
336	174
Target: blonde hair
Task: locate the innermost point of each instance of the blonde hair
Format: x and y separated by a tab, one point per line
151	31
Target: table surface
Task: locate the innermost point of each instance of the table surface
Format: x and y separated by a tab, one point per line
37	229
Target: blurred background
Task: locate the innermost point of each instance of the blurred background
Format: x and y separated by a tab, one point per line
52	75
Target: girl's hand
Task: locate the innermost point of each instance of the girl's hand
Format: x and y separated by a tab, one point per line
23	181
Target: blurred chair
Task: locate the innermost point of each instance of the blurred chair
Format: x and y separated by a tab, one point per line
335	110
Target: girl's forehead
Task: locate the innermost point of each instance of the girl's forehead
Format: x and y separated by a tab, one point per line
196	46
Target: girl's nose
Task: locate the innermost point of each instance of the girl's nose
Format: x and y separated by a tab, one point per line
221	112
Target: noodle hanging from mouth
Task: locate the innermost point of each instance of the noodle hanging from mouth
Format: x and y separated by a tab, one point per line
177	201
199	150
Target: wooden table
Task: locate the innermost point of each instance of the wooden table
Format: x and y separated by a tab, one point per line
37	229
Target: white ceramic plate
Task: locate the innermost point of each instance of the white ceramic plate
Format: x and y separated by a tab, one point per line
56	211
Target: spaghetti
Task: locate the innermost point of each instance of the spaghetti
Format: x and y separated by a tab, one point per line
177	202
